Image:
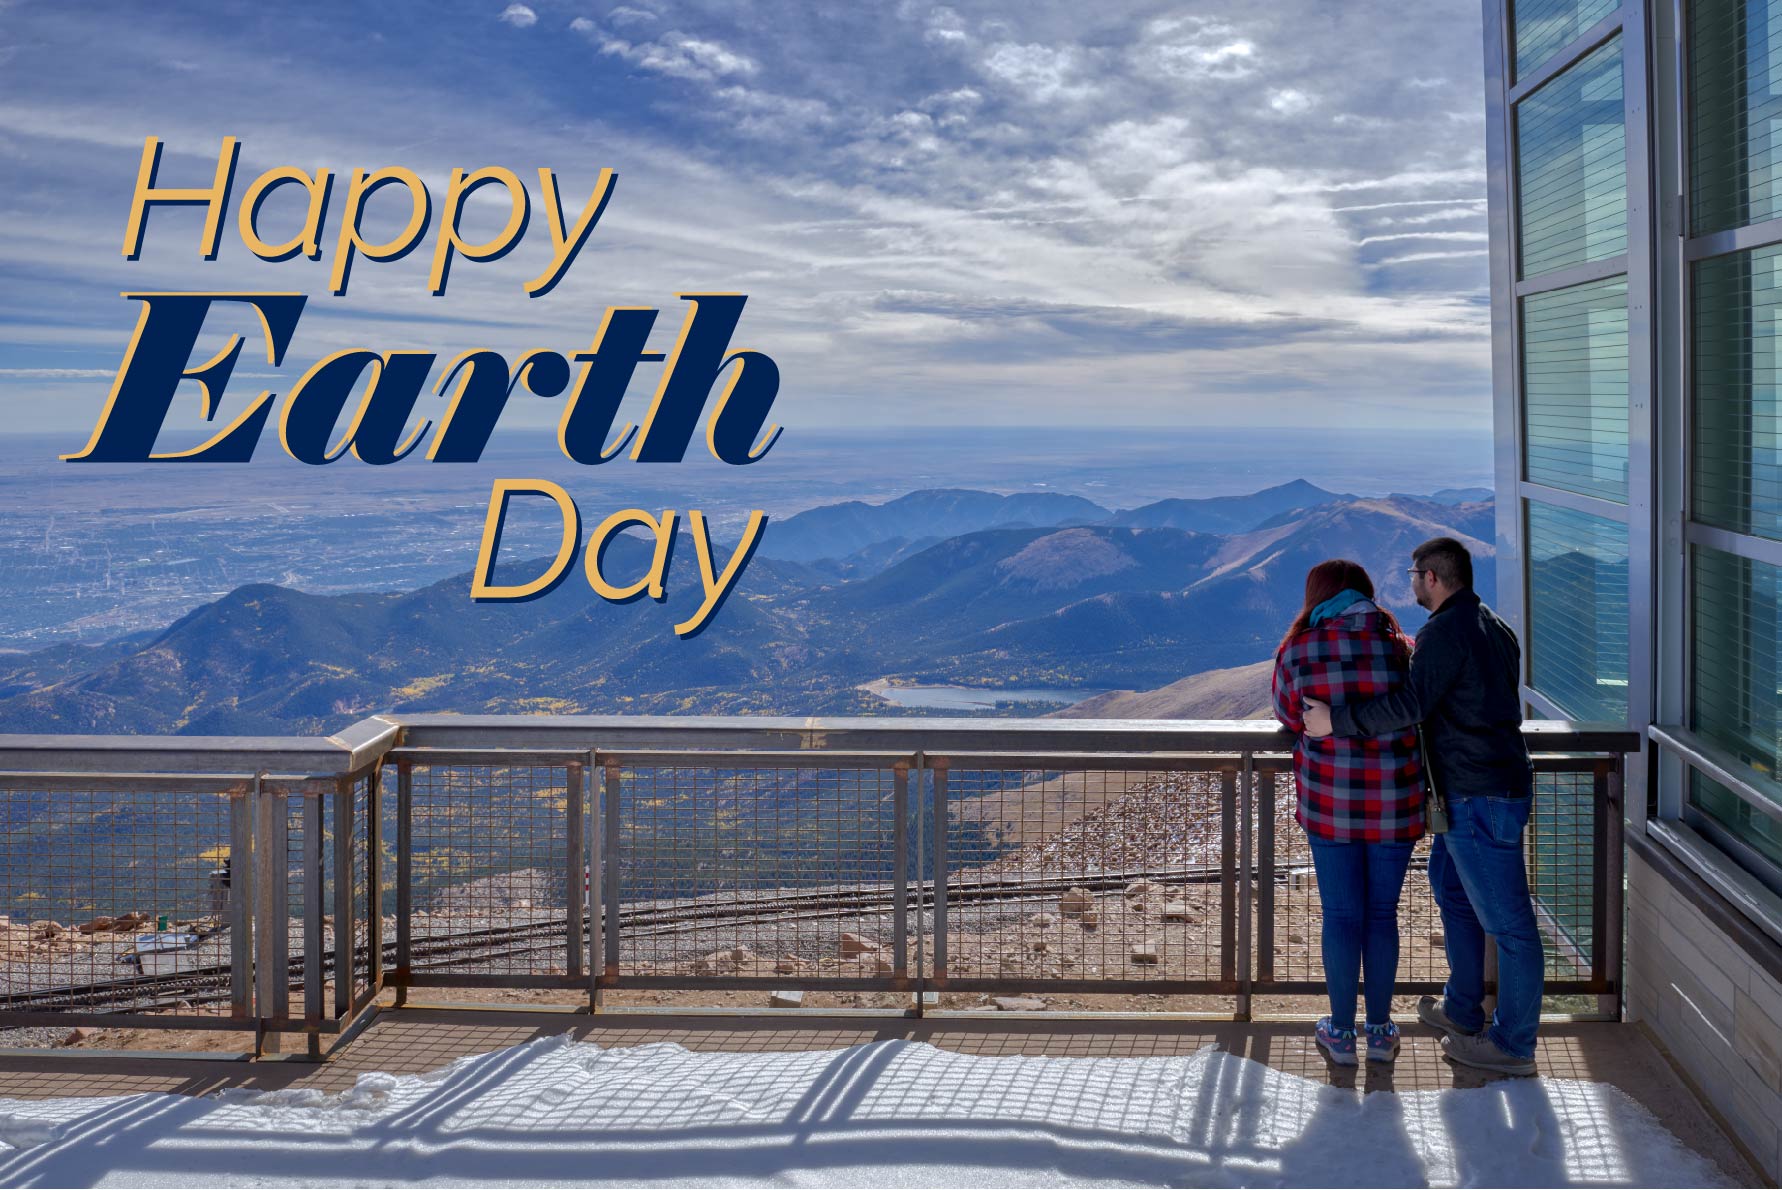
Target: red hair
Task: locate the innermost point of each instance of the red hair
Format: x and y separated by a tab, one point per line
1331	578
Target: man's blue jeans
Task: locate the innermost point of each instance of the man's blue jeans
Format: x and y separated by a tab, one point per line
1480	882
1358	885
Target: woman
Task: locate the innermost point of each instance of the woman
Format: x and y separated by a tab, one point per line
1360	797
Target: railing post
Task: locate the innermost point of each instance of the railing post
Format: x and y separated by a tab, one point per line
1228	876
343	898
374	875
1265	878
1606	954
263	877
242	805
900	910
314	880
576	870
1246	884
594	857
610	873
937	767
920	766
405	876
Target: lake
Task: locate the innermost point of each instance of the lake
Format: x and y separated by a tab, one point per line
972	698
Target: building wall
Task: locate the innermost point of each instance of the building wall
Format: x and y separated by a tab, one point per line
1716	1010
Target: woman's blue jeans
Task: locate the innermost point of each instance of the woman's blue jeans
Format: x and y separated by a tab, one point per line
1359	884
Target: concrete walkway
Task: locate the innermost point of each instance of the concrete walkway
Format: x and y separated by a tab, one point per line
418	1040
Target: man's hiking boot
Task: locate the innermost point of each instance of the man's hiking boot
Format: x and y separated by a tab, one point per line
1480	1052
1431	1012
1338	1043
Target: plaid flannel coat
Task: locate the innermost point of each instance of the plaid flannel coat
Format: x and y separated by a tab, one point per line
1351	788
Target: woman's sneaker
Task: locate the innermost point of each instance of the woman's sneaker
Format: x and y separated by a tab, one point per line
1382	1042
1338	1043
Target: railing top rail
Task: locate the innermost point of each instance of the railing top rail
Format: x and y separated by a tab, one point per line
349	751
873	734
367	741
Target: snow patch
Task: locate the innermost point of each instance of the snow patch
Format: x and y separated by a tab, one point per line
892	1113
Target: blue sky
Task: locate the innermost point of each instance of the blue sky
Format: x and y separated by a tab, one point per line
1227	213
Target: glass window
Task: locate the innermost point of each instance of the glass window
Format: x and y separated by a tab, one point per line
1737	472
1577	611
1735	95
1751	825
1574	382
1543	27
1571	166
1734	659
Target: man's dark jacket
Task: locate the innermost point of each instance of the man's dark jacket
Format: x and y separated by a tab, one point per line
1463	690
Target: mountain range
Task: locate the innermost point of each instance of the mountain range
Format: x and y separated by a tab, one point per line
949	586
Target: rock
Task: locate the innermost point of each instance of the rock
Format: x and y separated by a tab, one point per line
1042	921
1066	961
1176	911
741	955
853	944
786	999
1297	939
1145	951
99	925
788	965
76	1036
925	1000
1436	939
129	921
1141	888
1302	878
46	929
1076	901
1090	919
1039	946
1018	1003
885	966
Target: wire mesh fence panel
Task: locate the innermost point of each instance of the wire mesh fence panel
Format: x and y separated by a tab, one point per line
362	790
750	869
1077	874
118	899
1561	850
489	872
1298	917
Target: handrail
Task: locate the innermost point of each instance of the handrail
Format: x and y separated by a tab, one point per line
370	739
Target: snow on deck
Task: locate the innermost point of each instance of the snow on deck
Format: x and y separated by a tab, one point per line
892	1113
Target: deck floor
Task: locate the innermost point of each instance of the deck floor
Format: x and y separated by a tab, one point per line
417	1040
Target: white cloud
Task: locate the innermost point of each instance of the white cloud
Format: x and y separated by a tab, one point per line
675	54
519	16
1289	102
1040	72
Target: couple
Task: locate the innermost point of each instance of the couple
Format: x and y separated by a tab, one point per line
1357	697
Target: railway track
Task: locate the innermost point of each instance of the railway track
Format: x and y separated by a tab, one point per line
467	950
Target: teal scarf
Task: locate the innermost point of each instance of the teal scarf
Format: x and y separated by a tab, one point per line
1336	605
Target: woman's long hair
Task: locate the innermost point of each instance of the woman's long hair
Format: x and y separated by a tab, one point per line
1329	578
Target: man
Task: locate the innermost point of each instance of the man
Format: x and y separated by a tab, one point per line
1463	689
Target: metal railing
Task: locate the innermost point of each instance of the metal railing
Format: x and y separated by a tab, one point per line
279	885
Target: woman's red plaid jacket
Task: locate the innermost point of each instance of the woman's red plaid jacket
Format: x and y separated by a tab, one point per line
1351	788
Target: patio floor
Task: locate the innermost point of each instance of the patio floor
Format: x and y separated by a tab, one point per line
418	1040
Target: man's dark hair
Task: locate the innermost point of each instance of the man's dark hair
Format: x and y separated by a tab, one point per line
1450	560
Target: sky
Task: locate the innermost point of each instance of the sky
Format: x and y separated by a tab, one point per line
1112	214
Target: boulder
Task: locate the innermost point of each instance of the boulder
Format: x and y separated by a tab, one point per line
1076	901
1176	911
1145	951
99	925
854	944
